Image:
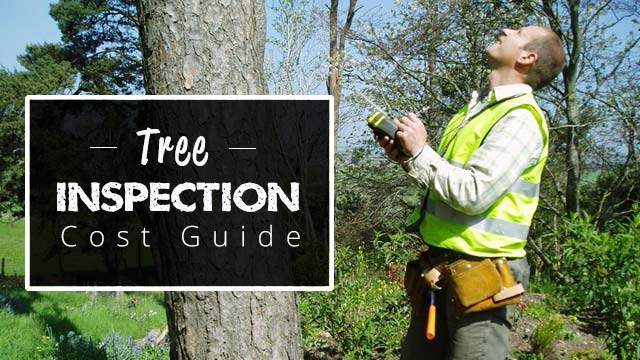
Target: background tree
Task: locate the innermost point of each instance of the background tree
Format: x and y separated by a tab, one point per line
592	118
100	40
430	56
192	58
295	64
337	41
45	72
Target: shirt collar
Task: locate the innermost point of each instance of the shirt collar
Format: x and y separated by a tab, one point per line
502	92
498	93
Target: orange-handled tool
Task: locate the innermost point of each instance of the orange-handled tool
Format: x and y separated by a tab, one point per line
431	318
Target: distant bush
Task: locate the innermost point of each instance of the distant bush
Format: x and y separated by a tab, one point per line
370	194
602	276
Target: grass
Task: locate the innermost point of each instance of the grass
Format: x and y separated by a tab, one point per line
37	319
31	323
12	246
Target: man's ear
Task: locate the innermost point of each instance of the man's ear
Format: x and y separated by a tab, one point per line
527	58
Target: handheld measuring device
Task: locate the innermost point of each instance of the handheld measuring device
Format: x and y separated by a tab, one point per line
381	123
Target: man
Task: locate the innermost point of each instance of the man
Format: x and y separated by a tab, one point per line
482	186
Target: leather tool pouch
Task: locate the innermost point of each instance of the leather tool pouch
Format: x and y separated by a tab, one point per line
483	284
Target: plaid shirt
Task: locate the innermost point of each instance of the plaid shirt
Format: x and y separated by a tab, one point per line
510	147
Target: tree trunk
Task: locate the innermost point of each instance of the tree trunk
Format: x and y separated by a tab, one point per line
337	41
573	113
215	47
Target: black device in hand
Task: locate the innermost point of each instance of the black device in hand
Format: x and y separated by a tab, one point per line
382	125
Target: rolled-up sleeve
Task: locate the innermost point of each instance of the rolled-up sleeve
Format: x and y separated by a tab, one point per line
510	147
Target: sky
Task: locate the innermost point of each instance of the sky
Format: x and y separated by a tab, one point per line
24	22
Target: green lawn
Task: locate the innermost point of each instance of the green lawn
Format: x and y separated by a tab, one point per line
12	246
31	323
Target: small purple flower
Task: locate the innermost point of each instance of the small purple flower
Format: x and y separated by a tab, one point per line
137	350
117	338
149	338
105	341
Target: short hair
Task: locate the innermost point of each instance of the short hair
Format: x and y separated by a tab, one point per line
550	59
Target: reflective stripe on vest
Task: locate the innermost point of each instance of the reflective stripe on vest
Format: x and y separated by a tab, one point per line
478	222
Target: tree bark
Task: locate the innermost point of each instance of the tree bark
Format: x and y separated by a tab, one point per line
215	47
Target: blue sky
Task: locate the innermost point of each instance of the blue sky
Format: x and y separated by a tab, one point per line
21	23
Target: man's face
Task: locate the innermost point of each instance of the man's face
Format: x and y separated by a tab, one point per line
509	46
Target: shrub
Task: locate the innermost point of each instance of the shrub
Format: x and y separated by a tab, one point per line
601	275
366	314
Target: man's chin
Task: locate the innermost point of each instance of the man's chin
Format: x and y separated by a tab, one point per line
487	51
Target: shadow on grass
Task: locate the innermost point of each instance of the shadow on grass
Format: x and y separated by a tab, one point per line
69	344
13	296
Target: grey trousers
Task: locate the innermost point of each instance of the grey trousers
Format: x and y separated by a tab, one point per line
482	335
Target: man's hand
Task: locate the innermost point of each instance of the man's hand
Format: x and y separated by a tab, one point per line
411	134
389	148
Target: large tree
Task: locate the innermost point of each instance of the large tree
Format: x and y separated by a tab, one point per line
100	40
215	48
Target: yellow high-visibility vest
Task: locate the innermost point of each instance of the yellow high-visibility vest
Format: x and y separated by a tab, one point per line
502	229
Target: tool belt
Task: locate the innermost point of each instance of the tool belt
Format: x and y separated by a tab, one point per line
476	284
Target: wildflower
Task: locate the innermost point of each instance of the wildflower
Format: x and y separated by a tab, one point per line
137	350
149	339
104	341
522	305
117	338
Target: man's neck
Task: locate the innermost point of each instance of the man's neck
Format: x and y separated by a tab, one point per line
499	77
